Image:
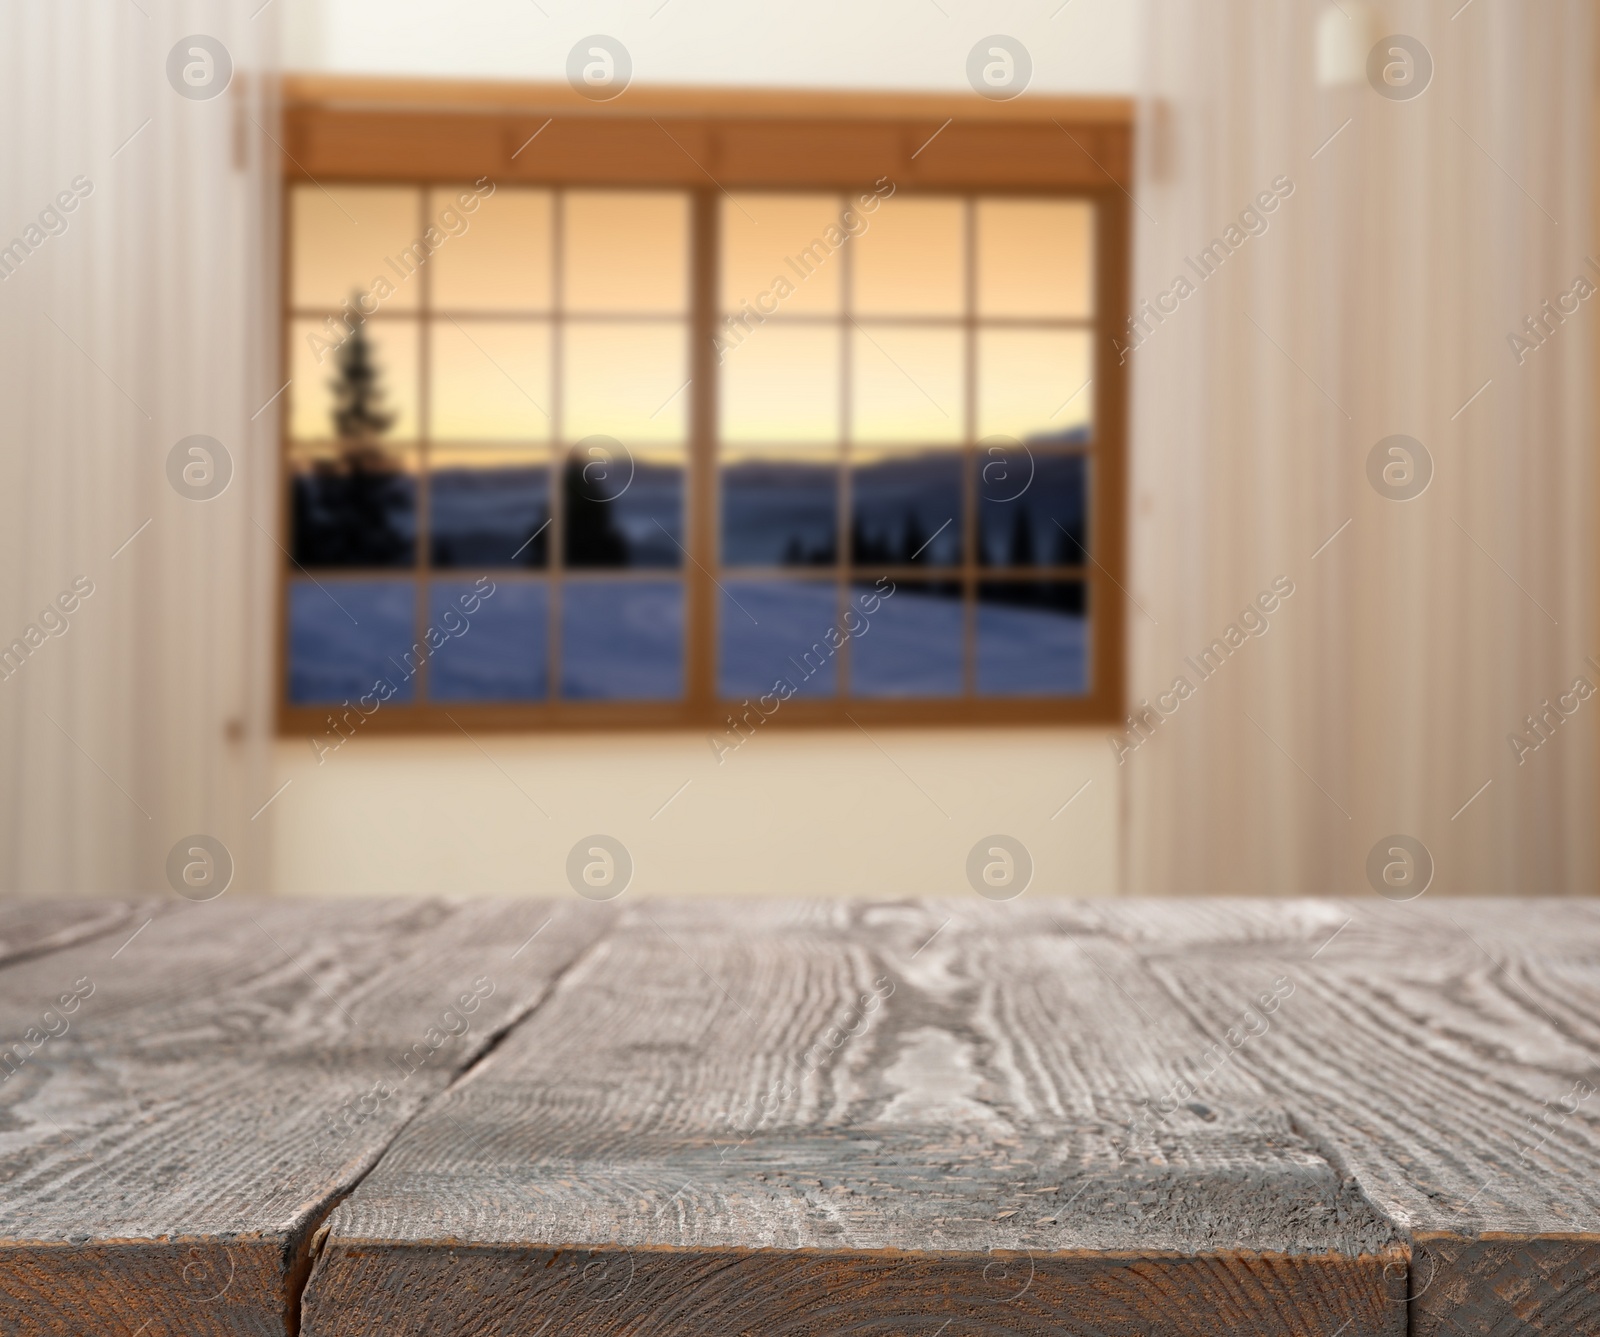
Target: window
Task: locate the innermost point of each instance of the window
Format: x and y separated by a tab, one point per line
591	448
470	361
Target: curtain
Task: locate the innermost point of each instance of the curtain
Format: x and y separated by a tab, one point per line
1406	228
137	310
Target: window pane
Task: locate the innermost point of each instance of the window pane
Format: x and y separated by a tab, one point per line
626	250
501	261
500	652
491	380
1033	638
346	238
621	640
1034	385
774	629
1035	258
489	508
354	507
345	635
782	385
909	261
906	507
777	253
372	371
911	644
907	383
626	380
1041	520
629	513
780	510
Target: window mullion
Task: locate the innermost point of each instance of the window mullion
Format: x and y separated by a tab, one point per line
700	610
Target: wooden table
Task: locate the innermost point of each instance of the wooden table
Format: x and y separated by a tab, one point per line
1098	1118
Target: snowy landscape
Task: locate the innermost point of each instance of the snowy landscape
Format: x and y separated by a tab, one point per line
622	640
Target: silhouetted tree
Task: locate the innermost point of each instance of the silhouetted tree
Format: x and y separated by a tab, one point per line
1022	538
346	511
1069	547
913	540
532	550
796	553
866	548
593	538
357	412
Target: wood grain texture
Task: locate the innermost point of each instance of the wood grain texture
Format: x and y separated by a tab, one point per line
808	1119
1310	1117
189	1107
1448	1053
31	928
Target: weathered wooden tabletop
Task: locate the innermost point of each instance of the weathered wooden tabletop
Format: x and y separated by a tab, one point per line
1316	1118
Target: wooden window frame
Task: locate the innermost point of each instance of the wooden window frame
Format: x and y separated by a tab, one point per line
707	142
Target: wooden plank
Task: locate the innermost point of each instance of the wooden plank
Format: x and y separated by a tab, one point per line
777	1119
1449	1051
31	928
710	1127
205	1094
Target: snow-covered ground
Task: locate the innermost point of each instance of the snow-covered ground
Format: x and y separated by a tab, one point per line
504	653
622	640
909	647
1031	652
767	628
346	634
912	646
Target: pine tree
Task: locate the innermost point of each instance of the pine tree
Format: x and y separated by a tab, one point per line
868	546
593	538
1022	538
357	415
347	512
914	541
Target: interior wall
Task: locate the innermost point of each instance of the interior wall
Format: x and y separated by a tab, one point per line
813	813
1077	46
803	813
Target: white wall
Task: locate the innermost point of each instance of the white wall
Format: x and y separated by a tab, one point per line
804	813
1078	46
799	813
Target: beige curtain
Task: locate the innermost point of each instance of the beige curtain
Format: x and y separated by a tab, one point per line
1422	230
138	311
